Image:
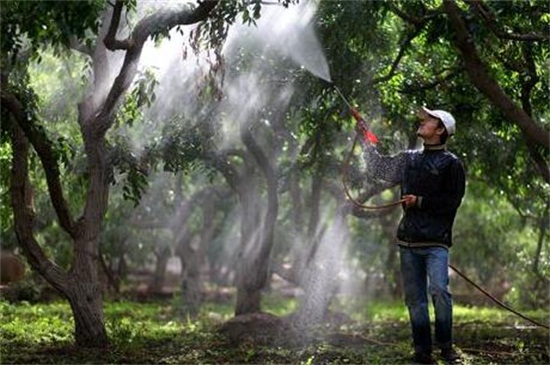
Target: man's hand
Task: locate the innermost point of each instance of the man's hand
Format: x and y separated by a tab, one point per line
410	200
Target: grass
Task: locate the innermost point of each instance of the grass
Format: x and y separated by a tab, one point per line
146	333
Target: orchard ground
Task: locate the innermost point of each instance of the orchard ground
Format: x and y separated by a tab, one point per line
159	332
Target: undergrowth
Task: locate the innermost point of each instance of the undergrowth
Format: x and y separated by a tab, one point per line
156	332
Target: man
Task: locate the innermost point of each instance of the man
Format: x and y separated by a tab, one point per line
432	186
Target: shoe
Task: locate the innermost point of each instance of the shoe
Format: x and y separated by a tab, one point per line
450	355
423	358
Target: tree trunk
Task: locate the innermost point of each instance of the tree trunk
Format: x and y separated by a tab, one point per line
192	286
248	299
113	275
81	285
541	280
160	270
249	273
96	114
87	306
254	252
190	275
257	230
190	281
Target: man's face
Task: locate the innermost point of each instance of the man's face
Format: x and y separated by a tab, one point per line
429	128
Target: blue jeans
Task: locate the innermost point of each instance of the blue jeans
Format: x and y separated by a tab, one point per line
425	269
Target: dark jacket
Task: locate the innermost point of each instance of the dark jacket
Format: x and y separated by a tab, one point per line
436	177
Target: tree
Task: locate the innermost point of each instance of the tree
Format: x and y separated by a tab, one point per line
65	25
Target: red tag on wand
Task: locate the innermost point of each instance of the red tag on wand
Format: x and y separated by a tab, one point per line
369	136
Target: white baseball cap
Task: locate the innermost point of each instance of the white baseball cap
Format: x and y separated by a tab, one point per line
445	117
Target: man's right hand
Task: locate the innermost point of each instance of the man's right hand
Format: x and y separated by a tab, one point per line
409	200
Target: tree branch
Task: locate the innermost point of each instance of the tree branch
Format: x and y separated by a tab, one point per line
148	26
491	20
43	148
220	162
482	80
411	89
404	46
540	162
20	190
110	40
529	79
418	21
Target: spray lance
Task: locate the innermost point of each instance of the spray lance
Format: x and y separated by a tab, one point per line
361	123
369	136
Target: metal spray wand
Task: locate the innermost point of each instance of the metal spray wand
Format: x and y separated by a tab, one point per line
360	121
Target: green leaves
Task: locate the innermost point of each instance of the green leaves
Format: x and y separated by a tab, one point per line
139	99
32	24
182	146
128	169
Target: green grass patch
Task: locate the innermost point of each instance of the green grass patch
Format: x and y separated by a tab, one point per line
159	333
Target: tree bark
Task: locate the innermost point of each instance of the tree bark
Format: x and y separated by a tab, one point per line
85	297
482	80
249	278
190	280
192	256
257	231
79	286
192	285
542	233
160	270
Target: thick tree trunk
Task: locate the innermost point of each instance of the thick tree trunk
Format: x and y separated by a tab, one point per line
250	276
87	306
81	285
257	229
190	281
254	254
541	279
191	288
249	299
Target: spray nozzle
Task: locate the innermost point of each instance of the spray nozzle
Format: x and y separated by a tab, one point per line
361	123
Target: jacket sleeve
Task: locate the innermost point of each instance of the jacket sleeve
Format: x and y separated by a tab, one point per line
450	198
385	167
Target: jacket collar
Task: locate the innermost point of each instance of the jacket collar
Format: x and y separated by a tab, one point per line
435	147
